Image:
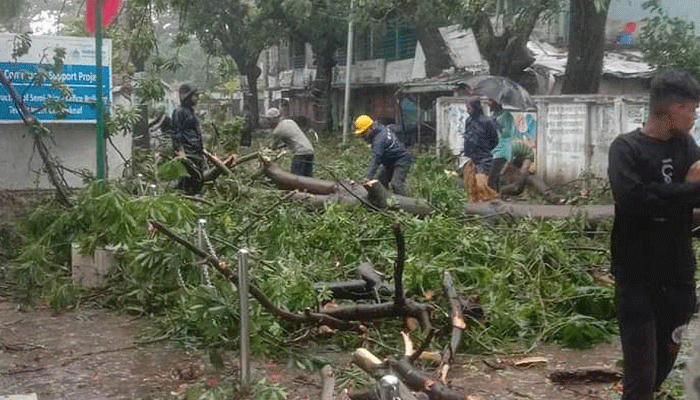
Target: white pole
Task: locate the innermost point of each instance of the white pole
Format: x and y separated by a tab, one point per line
244	317
348	64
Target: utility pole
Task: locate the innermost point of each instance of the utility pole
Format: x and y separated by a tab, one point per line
348	64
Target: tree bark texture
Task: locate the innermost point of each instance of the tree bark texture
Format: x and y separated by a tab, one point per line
437	56
316	192
137	17
252	73
507	54
322	86
584	66
593	213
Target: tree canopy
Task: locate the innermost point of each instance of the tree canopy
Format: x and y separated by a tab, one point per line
669	42
237	28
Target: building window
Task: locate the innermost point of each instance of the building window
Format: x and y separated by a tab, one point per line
363	45
394	40
399	42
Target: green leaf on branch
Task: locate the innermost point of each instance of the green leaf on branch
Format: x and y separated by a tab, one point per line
172	170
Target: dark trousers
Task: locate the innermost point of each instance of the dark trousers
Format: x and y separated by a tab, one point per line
303	164
194	181
651	318
393	176
495	173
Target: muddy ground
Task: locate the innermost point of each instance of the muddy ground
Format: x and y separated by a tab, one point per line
94	354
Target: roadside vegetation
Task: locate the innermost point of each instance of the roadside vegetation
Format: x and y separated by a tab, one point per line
536	280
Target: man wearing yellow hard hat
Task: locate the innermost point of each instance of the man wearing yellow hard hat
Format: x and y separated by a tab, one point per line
387	151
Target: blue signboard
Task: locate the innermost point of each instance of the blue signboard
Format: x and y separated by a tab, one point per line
78	73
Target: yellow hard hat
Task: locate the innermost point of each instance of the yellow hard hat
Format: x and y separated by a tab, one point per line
362	123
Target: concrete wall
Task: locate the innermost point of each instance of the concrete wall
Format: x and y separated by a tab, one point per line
72	144
451	115
609	85
573	133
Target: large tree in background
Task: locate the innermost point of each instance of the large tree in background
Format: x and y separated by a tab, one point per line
669	42
323	24
237	28
584	66
10	9
502	29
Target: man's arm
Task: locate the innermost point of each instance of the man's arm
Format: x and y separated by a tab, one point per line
377	149
631	194
277	138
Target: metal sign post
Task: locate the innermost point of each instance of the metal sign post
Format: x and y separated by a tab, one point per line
100	134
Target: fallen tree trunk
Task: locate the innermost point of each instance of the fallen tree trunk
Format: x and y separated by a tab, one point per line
317	193
593	213
288	181
381	198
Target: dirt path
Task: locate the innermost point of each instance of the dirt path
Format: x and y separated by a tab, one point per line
92	354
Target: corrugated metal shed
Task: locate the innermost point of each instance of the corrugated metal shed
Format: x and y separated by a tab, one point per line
622	64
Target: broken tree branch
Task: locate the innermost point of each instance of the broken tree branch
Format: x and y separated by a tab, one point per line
35	128
224	167
370	286
218	163
399	298
429	338
340	318
307	317
458	325
415	379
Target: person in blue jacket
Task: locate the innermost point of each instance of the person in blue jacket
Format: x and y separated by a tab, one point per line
387	151
480	137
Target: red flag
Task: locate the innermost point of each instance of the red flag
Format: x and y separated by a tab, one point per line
110	9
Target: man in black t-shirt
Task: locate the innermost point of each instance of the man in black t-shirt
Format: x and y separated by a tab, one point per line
655	179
